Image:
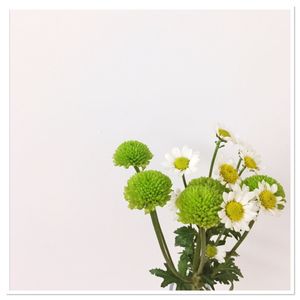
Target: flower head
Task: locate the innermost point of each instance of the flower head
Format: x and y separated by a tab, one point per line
226	172
259	183
148	189
209	182
199	204
132	153
223	133
266	195
218	253
238	208
251	159
182	161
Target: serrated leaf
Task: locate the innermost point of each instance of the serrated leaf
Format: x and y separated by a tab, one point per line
183	263
167	276
185	236
215	231
227	272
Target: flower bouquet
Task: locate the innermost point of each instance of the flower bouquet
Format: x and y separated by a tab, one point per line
213	209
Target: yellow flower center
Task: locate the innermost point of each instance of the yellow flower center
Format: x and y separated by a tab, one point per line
223	133
234	211
267	199
250	163
229	173
211	251
181	163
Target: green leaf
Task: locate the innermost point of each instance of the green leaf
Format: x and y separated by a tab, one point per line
183	263
185	236
225	273
167	276
215	231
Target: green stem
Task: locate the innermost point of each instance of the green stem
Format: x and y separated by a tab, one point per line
162	242
220	235
163	245
218	143
238	243
184	180
203	250
136	169
239	164
242	170
196	260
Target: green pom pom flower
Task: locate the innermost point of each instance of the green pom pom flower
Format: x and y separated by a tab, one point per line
132	153
199	204
148	189
253	181
209	182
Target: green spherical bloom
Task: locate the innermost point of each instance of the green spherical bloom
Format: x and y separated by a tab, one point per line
199	204
209	182
132	153
148	189
253	181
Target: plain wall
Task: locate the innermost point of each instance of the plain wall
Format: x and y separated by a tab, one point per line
82	82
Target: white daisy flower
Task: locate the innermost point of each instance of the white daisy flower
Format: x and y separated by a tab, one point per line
267	199
225	134
251	159
226	171
182	161
218	253
238	208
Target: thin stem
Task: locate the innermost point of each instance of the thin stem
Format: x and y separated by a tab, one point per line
163	245
239	164
184	180
240	240
162	242
242	170
218	143
161	239
196	260
219	237
136	169
203	249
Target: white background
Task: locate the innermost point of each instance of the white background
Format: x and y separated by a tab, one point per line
82	82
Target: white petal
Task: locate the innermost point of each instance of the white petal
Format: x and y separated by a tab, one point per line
228	224
194	161
187	152
169	157
225	196
176	152
221	214
274	188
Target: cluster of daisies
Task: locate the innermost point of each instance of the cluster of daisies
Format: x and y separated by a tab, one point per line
233	193
242	199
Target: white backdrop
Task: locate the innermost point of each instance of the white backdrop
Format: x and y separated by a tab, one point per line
84	81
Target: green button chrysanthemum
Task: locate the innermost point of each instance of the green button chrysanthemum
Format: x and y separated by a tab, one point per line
199	204
148	189
209	182
253	181
132	153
